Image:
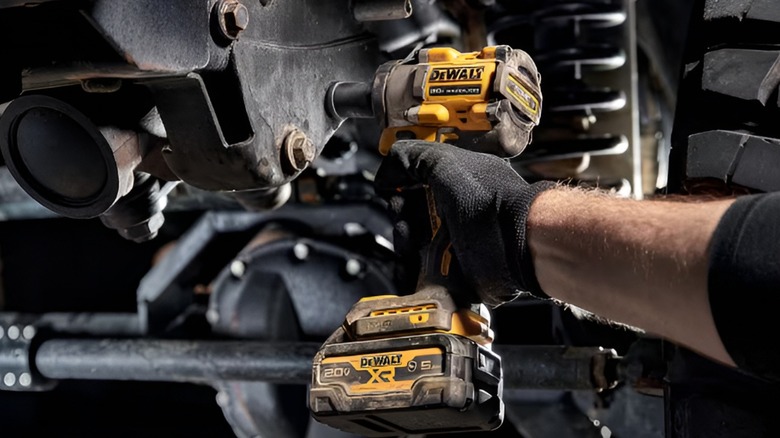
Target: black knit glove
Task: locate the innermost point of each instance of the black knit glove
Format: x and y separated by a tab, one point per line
483	203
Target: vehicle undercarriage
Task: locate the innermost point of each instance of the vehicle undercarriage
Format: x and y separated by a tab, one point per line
183	222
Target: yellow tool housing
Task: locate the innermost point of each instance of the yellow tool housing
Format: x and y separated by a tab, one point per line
447	93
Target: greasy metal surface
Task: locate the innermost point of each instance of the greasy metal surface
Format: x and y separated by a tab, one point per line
266	294
293	281
63	75
273	61
263	199
175	361
248	304
168	36
379	10
218	237
199	153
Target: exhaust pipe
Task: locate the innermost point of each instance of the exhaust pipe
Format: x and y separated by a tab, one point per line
65	162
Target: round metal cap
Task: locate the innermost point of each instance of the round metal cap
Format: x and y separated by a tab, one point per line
59	157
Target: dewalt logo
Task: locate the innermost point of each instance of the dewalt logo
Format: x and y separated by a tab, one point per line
381	367
383	360
456	74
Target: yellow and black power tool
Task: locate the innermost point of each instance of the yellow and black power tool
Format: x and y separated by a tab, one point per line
486	101
422	363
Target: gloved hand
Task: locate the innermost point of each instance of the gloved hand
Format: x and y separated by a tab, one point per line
483	203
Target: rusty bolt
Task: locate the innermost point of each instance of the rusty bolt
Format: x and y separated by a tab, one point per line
145	231
298	150
233	18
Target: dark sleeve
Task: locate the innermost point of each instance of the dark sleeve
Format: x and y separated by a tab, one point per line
744	278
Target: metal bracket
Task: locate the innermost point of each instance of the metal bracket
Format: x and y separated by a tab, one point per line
17	373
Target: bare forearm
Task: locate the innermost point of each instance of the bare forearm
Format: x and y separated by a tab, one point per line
640	263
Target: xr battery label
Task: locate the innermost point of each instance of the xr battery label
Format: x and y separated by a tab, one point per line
382	371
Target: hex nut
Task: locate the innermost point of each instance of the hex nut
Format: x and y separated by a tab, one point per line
237	16
145	231
298	150
233	18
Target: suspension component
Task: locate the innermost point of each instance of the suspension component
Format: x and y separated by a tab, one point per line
579	47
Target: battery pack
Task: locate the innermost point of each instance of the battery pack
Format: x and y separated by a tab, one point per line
421	384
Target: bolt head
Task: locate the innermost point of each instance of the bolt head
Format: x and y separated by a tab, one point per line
237	268
9	379
223	399
237	16
13	333
25	379
301	251
212	316
233	18
145	231
299	150
28	332
353	267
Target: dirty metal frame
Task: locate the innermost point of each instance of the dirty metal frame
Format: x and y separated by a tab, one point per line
274	144
216	71
218	237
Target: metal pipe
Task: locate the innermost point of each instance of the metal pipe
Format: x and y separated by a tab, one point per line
378	10
349	100
93	324
558	367
176	361
525	367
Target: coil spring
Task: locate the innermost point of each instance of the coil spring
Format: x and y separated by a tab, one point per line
571	41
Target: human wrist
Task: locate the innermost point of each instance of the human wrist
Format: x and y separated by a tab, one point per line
519	252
